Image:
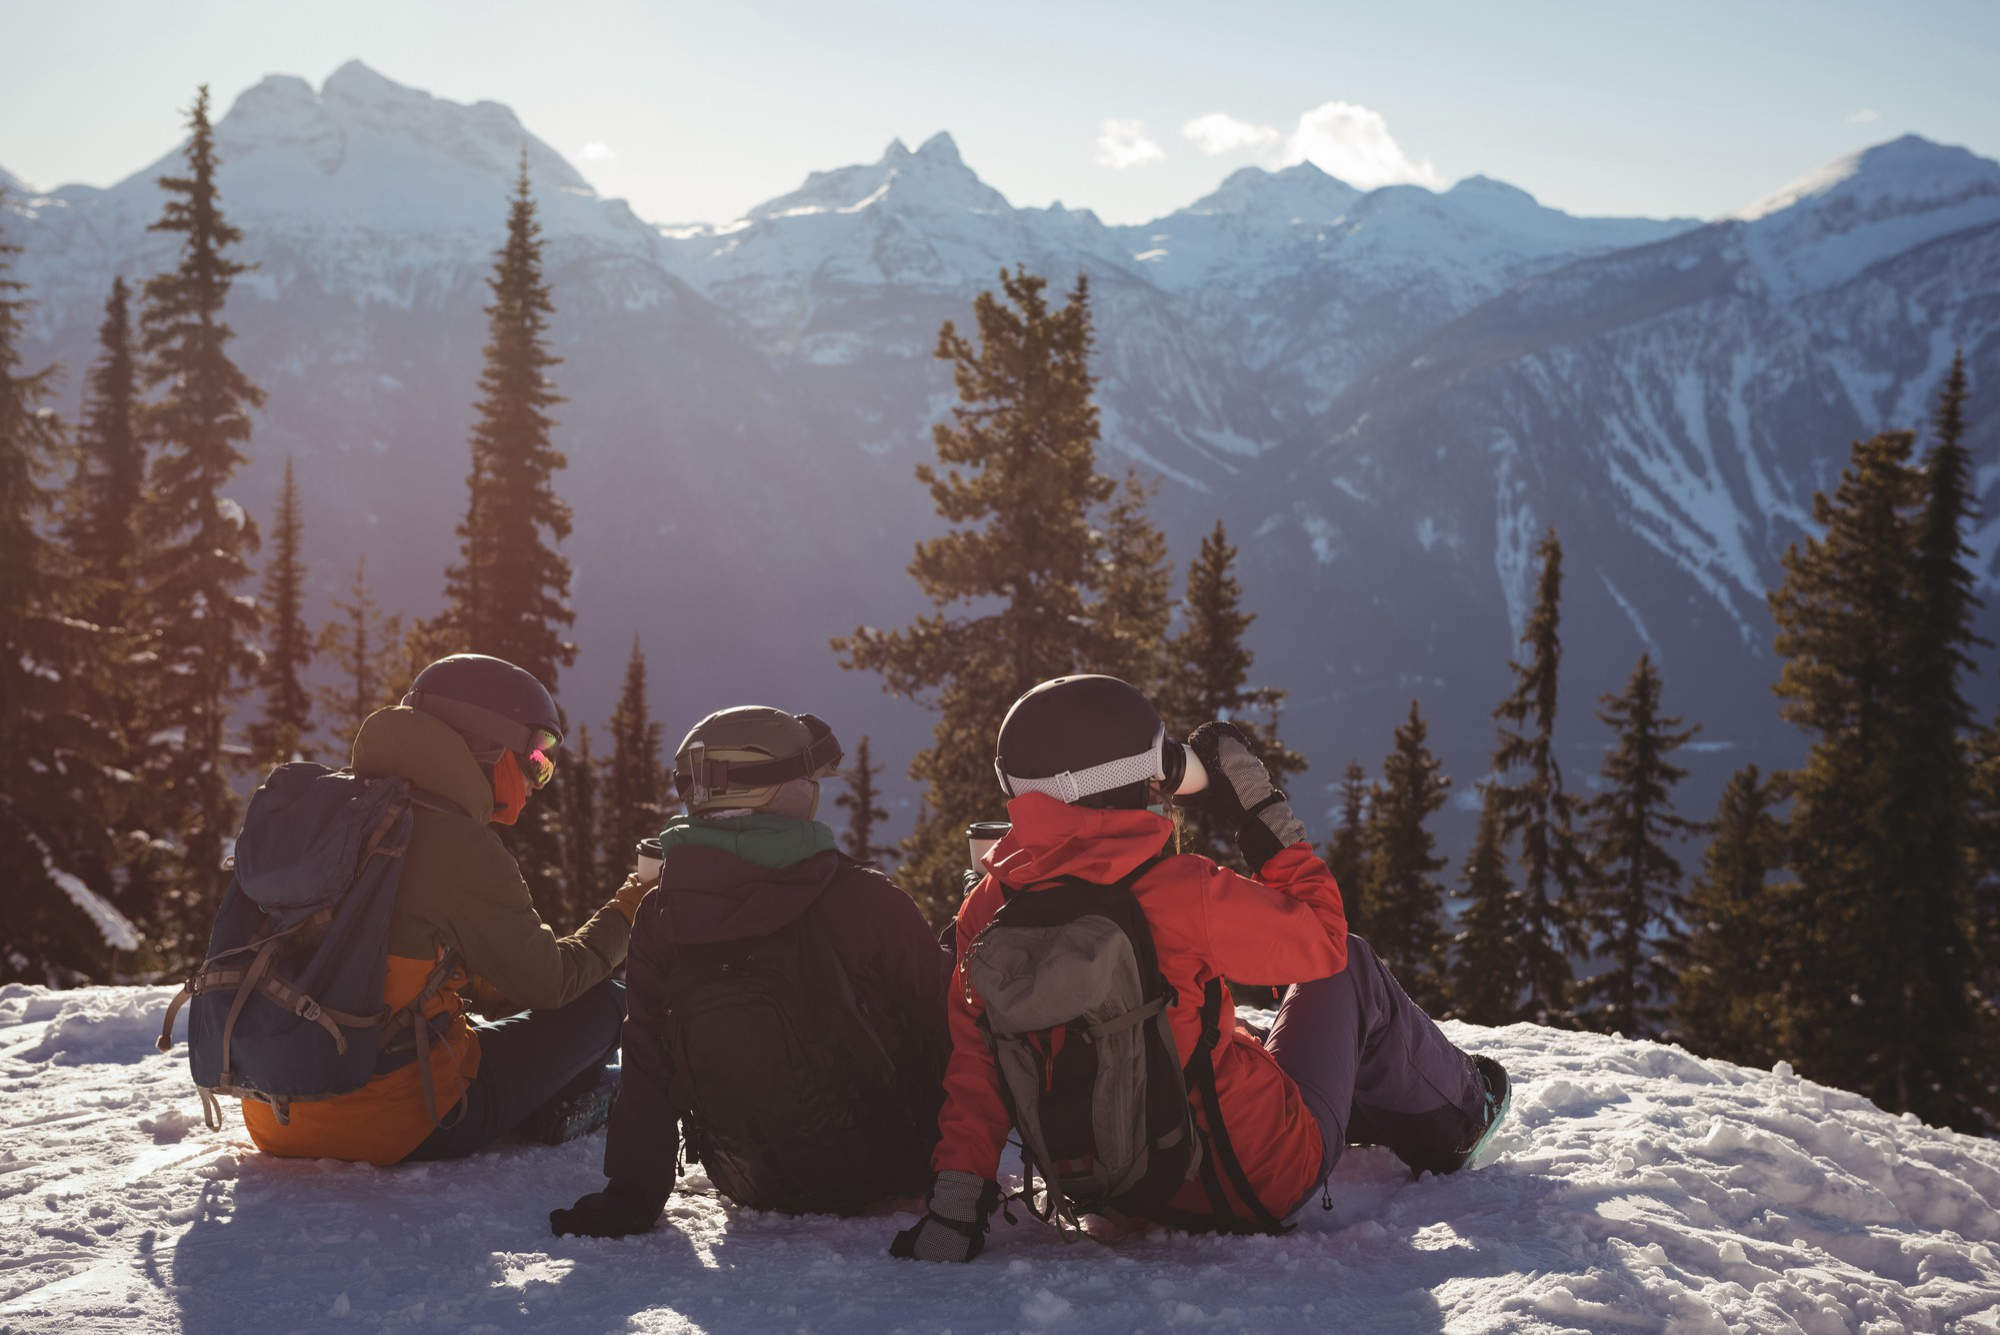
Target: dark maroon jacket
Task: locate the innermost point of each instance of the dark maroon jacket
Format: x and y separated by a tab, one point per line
898	970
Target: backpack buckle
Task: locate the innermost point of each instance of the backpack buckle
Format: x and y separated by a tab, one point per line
307	1009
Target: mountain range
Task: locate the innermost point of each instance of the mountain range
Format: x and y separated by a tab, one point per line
1386	395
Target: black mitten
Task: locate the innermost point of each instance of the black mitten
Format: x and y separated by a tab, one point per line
1240	790
618	1210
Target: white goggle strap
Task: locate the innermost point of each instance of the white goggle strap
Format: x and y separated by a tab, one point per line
1074	785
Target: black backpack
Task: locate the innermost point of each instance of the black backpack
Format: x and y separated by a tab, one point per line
1076	1012
784	1090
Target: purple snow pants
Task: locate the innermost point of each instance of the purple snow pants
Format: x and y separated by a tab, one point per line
1374	1069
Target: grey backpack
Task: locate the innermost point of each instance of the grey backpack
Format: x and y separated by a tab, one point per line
1076	1014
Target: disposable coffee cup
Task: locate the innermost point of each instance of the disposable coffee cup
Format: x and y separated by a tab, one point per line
650	858
982	835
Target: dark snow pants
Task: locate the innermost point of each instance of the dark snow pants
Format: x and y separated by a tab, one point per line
524	1062
1374	1069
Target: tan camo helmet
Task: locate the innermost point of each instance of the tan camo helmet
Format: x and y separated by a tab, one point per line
755	758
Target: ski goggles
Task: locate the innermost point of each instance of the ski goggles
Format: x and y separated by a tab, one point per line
538	763
535	748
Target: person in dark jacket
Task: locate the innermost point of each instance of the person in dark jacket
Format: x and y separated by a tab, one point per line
749	862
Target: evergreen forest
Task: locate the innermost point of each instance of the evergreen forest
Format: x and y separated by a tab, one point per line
1843	915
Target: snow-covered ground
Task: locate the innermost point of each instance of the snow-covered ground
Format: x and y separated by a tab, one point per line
1639	1188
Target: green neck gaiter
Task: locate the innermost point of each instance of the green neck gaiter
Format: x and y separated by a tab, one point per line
767	840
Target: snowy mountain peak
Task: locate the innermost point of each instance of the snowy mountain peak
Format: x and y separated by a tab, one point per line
13	184
1911	170
1485	188
932	179
941	148
1832	224
1302	193
363	121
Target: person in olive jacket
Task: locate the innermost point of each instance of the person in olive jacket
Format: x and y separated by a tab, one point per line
474	737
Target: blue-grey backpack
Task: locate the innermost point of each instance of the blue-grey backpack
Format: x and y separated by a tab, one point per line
288	1005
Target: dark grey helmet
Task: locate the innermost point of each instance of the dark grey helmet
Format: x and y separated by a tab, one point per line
1081	737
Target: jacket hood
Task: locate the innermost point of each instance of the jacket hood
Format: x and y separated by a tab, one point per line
1052	839
413	745
708	894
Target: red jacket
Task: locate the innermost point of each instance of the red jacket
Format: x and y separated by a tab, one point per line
1285	927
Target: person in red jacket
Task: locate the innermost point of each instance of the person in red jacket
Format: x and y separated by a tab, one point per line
1085	762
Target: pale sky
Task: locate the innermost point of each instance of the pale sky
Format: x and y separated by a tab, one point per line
697	112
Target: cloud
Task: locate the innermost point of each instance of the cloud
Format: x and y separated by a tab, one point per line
1865	116
1352	142
598	151
1343	139
1123	143
1219	132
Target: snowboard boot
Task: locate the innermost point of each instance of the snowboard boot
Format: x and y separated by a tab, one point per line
580	1108
1499	1095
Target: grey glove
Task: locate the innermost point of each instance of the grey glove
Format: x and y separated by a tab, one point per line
954	1228
1241	791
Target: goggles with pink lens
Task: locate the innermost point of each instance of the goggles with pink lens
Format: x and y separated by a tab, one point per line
538	766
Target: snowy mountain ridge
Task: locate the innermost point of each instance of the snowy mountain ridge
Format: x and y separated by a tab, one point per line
1387	395
1635	1187
1829	226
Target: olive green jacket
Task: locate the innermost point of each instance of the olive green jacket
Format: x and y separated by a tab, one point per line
461	889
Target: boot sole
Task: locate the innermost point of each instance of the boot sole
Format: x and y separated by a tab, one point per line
1478	1156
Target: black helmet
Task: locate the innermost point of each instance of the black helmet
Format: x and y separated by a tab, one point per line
1083	737
492	699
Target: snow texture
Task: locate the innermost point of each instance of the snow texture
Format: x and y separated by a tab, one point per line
1638	1188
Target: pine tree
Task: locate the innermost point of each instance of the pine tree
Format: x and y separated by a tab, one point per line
100	517
1730	974
860	802
197	541
1983	822
1016	478
1208	668
1489	958
1636	913
1405	901
366	647
588	860
1347	851
635	785
1873	621
99	528
1134	607
1533	806
508	594
286	727
1946	1056
51	791
1840	614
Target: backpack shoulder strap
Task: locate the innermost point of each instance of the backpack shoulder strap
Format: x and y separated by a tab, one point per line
1200	1072
430	801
